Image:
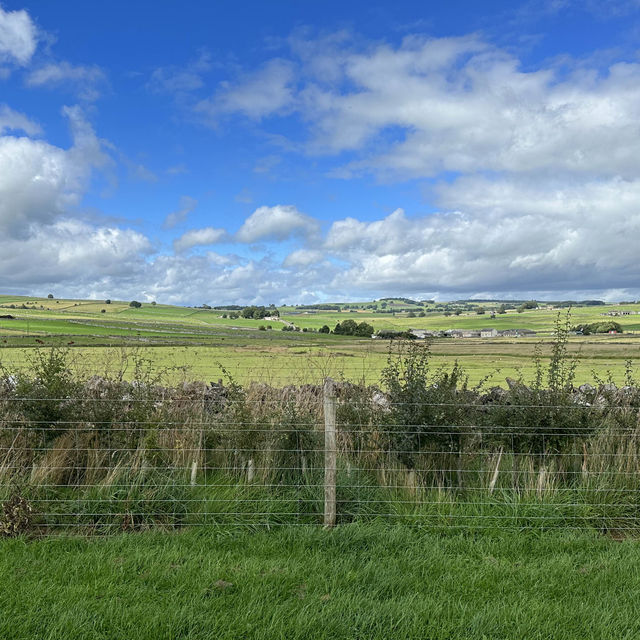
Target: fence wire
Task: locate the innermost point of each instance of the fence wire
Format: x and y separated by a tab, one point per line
116	457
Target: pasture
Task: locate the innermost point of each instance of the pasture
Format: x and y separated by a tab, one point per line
195	343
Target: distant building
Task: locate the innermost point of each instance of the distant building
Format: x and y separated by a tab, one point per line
470	334
488	333
516	333
421	334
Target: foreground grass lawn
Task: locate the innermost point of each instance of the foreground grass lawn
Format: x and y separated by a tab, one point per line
355	582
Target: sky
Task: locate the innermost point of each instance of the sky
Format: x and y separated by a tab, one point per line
296	152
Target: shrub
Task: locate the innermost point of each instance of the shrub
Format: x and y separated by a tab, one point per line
426	412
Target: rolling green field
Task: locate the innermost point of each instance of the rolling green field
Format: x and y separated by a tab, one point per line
196	343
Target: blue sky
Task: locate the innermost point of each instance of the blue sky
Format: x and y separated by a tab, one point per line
297	152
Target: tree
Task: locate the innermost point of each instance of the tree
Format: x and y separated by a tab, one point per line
135	304
50	296
107	301
351	328
364	330
529	304
598	327
325	329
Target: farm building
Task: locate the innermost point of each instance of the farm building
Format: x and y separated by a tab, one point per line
516	333
421	334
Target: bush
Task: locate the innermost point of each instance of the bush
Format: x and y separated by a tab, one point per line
135	304
426	410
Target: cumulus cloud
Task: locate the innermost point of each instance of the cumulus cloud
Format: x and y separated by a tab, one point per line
18	37
86	80
69	251
276	223
39	181
198	238
504	236
537	180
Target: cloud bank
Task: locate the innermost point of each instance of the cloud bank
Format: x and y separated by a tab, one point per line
534	175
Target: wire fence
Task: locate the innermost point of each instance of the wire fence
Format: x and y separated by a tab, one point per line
124	457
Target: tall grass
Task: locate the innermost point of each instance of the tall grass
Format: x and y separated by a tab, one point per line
102	454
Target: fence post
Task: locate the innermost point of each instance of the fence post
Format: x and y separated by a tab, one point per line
330	454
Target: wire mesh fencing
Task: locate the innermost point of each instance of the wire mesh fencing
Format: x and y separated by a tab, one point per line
113	456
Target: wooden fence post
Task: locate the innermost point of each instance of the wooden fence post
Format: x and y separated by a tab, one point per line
330	454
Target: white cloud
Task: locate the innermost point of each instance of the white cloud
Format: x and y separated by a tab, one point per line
303	258
39	181
86	80
180	80
460	105
11	120
433	105
18	37
222	260
186	206
199	238
539	191
505	236
276	223
257	95
71	253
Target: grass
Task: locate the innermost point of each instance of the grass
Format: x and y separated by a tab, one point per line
203	342
285	358
356	582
